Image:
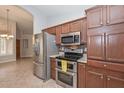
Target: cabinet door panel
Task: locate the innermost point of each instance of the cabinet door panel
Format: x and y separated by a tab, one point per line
114	46
75	26
96	46
115	14
58	34
65	28
53	66
114	82
115	79
94	79
95	17
53	74
83	31
51	30
81	75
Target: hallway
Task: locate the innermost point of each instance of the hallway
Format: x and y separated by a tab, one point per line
19	75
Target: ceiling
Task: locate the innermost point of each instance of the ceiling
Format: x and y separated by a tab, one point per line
23	19
57	10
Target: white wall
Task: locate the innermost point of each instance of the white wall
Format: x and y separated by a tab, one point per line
51	21
39	21
26	52
62	19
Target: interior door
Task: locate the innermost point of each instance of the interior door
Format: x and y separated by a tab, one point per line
17	48
96	45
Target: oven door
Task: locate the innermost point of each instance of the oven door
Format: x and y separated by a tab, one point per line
71	66
66	79
66	40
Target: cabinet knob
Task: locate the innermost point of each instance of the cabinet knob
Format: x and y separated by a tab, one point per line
108	78
105	65
107	21
101	77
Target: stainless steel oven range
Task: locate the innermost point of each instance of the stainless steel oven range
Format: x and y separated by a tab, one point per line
68	78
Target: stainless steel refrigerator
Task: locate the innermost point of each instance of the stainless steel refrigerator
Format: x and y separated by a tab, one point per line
44	47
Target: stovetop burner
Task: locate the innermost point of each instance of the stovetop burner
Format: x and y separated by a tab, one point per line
70	56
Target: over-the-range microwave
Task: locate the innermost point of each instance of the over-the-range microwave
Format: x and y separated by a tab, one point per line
70	38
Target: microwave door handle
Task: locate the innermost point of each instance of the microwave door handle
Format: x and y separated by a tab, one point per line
72	74
73	39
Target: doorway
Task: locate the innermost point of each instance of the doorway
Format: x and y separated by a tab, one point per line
17	48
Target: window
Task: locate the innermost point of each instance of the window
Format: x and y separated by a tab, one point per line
25	43
6	46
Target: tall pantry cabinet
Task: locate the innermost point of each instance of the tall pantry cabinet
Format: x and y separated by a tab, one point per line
105	34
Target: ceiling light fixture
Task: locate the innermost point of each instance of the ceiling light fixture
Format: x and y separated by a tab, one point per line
8	33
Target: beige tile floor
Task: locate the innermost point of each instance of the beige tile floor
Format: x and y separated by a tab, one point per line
19	74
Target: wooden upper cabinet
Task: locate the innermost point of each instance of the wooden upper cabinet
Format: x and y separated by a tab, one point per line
83	30
114	46
96	46
95	17
94	78
81	75
58	34
65	28
115	14
75	26
51	30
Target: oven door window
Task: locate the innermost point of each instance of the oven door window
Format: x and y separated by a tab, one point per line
67	39
70	67
65	78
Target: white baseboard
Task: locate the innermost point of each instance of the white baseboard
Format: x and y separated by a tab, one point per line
7	60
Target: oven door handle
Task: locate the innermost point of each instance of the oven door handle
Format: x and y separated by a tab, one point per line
69	73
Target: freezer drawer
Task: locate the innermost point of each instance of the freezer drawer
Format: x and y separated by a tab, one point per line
39	70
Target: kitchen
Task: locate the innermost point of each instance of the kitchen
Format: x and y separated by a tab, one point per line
90	50
78	46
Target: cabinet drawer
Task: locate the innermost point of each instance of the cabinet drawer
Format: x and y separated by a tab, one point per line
115	67
115	79
99	64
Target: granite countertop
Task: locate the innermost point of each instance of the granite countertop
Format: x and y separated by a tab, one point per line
54	56
83	59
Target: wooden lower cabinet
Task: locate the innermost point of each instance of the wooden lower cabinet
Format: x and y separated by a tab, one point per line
104	74
115	79
53	66
94	77
81	75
